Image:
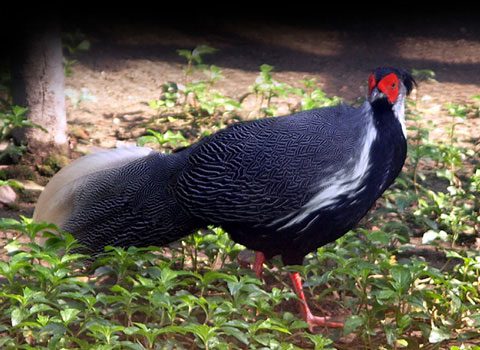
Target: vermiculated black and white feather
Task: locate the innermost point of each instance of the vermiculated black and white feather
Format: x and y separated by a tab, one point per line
119	198
287	185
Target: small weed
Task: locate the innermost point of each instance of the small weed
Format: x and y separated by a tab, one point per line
73	43
169	138
12	118
16	117
77	97
195	57
423	74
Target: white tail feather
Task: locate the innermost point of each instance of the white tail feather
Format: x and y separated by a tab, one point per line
56	201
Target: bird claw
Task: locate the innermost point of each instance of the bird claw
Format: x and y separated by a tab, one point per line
317	321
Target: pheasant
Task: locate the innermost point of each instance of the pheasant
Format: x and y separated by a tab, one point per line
282	186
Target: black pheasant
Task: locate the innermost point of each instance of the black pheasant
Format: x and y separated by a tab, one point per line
280	186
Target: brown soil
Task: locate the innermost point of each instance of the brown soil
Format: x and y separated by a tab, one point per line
125	67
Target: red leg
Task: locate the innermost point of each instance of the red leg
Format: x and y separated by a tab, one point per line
313	321
258	264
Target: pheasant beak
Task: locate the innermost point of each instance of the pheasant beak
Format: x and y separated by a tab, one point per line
376	95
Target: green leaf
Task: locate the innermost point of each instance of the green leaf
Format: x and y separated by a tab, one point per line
185	53
204	50
386	294
431	235
401	343
84	45
390	334
131	330
11	183
319	341
72	257
423	74
5	341
453	254
402	277
404	321
380	237
352	323
438	335
39	308
274	325
203	331
237	333
68	315
211	276
19	111
143	140
125	344
119	289
10	224
476	319
55	328
17	316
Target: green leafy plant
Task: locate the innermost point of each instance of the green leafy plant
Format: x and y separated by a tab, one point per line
11	183
73	43
423	74
195	57
208	100
170	138
129	297
16	117
168	99
76	97
314	97
266	88
12	118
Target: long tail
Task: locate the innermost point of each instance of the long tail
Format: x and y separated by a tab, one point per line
55	204
117	197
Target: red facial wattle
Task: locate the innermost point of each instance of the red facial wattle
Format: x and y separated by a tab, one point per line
371	83
389	85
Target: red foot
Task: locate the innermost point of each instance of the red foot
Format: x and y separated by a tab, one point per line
313	321
318	321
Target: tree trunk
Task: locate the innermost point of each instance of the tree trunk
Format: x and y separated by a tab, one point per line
38	84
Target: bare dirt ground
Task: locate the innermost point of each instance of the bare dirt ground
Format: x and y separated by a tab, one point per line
126	66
